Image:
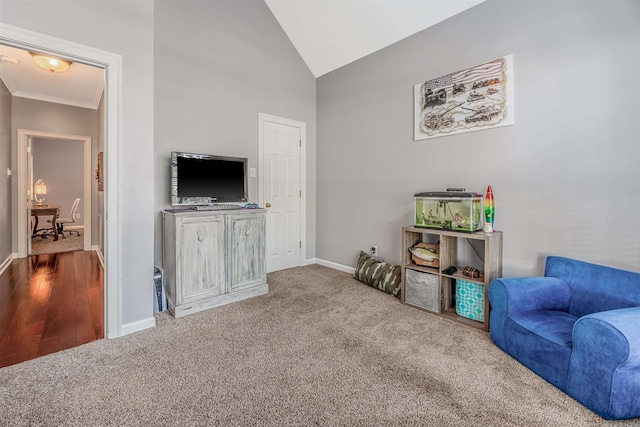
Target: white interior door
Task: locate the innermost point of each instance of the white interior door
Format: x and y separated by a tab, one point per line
281	142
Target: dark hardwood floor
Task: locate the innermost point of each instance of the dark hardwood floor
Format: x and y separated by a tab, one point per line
50	303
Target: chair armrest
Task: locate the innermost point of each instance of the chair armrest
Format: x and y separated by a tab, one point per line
604	373
522	294
510	297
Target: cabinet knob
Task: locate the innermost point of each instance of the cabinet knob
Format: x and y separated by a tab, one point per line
200	238
268	205
246	233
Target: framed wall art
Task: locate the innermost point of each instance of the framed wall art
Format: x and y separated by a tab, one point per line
477	98
99	173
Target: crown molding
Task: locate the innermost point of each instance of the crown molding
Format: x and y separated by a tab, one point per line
57	100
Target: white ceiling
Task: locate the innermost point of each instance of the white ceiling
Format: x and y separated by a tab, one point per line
80	86
331	33
327	34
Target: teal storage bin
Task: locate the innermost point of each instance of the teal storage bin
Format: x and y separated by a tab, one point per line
470	300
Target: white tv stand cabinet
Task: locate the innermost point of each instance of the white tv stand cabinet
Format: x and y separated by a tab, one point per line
212	258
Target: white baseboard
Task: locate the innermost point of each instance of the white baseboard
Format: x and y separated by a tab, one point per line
140	325
7	262
99	253
335	266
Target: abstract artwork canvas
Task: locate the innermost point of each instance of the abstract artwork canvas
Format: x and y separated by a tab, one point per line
477	98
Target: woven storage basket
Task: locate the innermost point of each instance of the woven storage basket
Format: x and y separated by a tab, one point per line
470	300
422	289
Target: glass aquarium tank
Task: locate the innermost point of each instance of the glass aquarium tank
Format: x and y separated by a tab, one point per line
449	210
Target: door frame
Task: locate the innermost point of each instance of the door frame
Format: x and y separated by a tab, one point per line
24	135
112	64
262	118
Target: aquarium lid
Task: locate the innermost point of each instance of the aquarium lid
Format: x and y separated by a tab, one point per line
445	194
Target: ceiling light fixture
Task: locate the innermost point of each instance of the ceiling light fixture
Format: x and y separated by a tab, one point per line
50	63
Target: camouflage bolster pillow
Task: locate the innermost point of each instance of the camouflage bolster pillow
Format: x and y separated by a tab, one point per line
380	275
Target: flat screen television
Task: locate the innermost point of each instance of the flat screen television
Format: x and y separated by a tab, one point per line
204	179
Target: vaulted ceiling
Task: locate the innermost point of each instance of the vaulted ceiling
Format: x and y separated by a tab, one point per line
328	34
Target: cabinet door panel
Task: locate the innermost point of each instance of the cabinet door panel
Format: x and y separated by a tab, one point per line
201	263
247	247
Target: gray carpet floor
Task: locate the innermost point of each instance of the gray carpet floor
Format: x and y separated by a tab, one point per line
319	349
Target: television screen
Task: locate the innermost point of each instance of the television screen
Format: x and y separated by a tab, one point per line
202	179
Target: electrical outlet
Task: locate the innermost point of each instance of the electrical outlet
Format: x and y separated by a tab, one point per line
77	216
374	251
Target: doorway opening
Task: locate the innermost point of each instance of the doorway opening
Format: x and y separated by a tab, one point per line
58	167
25	139
111	134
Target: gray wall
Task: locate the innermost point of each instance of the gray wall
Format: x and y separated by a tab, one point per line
5	182
124	28
60	164
217	65
565	176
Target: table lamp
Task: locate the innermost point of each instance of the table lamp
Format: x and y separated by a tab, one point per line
489	211
40	188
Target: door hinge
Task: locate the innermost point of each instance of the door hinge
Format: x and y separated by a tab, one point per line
300	141
300	193
300	244
28	149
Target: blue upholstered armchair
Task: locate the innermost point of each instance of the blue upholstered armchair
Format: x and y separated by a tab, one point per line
578	327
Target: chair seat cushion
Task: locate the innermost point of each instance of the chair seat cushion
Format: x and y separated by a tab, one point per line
538	337
556	326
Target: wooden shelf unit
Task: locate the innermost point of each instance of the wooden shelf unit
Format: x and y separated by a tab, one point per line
448	257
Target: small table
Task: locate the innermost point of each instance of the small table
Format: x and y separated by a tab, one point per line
44	211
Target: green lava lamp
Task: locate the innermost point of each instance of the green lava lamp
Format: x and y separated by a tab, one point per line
489	211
